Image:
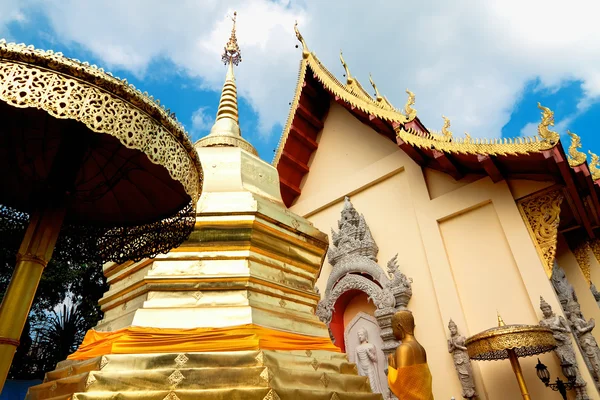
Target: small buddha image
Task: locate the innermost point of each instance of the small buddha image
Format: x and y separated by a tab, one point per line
408	377
366	360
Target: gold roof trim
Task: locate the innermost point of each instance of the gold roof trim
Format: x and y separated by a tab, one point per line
500	146
442	141
575	156
352	93
467	145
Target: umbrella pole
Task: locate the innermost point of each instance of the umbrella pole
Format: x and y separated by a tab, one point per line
514	362
33	256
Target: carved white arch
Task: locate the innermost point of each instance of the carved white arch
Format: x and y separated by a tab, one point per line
357	282
358	264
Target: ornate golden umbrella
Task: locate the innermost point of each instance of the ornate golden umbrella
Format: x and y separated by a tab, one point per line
89	165
512	342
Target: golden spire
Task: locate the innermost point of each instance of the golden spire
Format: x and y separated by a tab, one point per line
226	130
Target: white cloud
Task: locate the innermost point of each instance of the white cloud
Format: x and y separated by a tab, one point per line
529	129
12	11
465	59
202	120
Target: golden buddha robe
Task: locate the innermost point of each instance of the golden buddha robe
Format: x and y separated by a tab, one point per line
411	383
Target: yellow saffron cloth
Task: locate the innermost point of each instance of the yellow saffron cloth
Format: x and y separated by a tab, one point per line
411	383
139	340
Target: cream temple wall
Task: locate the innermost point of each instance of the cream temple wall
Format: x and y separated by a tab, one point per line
463	243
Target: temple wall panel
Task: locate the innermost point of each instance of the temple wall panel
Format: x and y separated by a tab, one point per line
521	187
341	127
464	244
487	278
438	183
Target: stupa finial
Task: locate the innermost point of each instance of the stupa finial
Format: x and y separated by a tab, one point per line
232	54
226	130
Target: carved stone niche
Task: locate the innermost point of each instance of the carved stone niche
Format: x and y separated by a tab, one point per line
353	257
371	326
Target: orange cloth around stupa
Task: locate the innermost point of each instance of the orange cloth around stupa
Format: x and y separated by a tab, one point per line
139	340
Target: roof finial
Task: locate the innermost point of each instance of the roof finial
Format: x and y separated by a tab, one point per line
547	120
594	166
226	130
349	79
410	112
446	128
305	52
576	157
231	53
377	95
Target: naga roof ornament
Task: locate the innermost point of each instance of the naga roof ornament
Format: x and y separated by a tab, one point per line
410	112
446	128
576	157
543	128
594	166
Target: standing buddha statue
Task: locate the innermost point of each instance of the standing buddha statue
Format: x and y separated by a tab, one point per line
366	360
408	373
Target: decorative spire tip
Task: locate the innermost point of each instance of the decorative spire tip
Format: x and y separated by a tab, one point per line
500	320
231	53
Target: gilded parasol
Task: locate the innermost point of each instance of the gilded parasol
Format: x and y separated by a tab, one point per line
90	169
512	342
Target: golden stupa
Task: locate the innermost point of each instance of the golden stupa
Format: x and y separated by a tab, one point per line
230	314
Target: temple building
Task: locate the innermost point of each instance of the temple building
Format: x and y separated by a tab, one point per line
452	228
260	303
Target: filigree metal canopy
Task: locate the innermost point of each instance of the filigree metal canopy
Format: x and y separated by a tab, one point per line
72	133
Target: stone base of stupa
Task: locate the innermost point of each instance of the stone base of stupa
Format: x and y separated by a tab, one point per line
238	375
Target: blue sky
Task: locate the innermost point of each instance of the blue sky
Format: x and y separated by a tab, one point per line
485	77
176	90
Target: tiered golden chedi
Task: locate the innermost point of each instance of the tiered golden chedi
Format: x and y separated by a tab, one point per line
227	315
